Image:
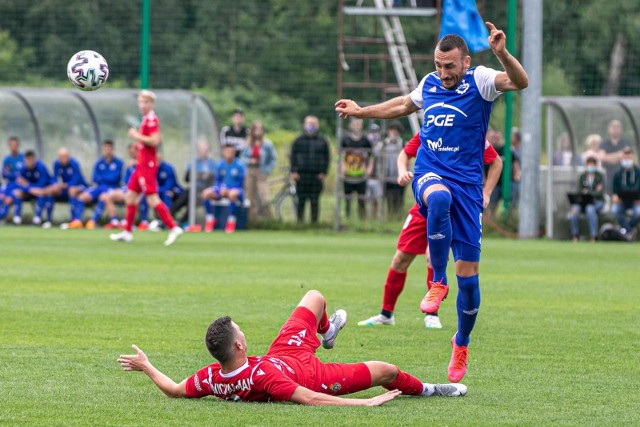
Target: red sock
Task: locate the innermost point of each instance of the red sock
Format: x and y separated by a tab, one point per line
392	289
429	277
324	324
129	216
406	383
164	215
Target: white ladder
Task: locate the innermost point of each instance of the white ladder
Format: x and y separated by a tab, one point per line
400	57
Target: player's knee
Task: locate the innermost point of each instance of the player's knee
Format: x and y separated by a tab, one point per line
314	294
387	373
468	284
439	202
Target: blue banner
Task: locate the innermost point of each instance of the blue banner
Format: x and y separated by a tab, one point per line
461	17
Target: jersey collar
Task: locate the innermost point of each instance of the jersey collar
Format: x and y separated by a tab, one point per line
236	371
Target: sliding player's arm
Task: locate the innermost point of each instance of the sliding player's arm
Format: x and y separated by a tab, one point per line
140	362
304	396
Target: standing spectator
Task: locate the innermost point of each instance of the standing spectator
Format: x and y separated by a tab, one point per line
309	165
565	155
592	142
590	182
626	193
67	182
11	165
236	134
516	141
357	166
205	177
613	152
259	158
230	174
388	167
32	181
374	183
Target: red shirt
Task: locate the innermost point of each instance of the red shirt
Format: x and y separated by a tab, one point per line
411	149
147	154
260	379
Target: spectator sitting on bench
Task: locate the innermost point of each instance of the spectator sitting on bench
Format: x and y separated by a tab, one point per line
590	182
116	196
67	182
32	182
229	184
626	193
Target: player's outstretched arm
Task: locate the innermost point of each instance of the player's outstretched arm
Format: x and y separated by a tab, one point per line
305	396
514	76
399	106
140	362
493	175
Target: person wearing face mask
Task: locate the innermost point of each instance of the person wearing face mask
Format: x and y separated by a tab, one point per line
590	182
626	193
612	151
259	158
309	165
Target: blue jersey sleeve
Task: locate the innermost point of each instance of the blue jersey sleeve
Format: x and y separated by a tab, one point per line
77	178
8	171
44	179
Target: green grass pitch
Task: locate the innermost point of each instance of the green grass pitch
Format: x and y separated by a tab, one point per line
556	342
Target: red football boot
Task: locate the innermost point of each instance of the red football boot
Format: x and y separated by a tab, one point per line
458	362
230	227
209	225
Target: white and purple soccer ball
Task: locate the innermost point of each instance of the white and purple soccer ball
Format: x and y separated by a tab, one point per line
88	70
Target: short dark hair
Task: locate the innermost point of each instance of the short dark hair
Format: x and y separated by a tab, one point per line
108	142
220	338
30	153
591	159
451	42
13	138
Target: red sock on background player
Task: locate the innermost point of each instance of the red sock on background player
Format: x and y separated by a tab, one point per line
392	289
130	215
165	215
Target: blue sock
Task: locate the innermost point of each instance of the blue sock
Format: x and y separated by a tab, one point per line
49	204
40	202
233	208
467	304
439	233
17	210
72	207
79	210
97	212
4	209
208	207
144	210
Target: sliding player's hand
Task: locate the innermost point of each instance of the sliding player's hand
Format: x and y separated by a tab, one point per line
383	398
133	362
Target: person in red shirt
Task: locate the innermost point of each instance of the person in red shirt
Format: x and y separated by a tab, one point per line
144	178
290	371
412	240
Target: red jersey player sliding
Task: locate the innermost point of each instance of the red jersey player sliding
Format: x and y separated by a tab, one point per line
144	178
290	371
412	242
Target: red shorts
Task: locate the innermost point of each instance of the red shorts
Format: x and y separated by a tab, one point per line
296	344
144	181
413	237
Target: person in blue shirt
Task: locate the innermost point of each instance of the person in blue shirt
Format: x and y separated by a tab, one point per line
229	185
447	184
32	182
67	182
11	164
116	196
168	190
107	175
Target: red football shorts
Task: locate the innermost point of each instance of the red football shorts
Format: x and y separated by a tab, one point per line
413	237
327	378
144	181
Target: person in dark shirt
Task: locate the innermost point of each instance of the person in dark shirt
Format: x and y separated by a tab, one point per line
590	182
613	148
626	193
309	165
357	166
236	134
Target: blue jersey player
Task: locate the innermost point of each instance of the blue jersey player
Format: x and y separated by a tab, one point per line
457	102
107	176
32	182
229	184
11	165
67	182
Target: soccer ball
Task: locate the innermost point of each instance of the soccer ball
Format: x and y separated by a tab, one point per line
87	70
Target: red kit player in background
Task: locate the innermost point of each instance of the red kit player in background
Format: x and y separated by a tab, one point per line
411	241
290	371
144	178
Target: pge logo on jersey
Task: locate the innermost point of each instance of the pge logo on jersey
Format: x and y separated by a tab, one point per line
444	119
